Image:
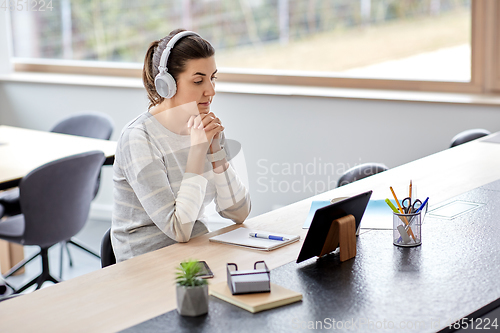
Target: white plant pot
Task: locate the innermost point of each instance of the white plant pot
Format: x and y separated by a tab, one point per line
192	301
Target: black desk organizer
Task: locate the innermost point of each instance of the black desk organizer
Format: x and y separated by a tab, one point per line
452	275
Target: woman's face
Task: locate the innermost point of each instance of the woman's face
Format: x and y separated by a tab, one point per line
196	84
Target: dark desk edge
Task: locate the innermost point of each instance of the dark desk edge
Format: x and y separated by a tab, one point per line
474	315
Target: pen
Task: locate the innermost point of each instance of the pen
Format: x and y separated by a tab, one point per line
404	217
423	205
266	236
394	209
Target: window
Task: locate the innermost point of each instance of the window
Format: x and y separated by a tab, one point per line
443	45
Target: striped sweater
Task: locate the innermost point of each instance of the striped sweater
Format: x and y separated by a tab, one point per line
156	203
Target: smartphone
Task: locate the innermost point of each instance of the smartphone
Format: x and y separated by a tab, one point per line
205	271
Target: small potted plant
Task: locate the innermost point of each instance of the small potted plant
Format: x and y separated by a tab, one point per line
192	291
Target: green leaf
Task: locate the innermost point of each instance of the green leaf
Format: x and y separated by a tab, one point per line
187	272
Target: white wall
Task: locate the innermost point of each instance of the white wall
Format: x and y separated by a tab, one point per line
274	131
5	42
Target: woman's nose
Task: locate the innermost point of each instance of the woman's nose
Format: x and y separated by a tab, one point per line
210	90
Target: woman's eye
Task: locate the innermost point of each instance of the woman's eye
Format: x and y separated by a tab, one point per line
214	78
198	82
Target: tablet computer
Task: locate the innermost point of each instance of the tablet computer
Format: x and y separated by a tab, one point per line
323	218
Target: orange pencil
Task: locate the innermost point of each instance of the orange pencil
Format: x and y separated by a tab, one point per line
410	189
401	211
397	201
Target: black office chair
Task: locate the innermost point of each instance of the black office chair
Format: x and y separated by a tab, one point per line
107	254
3	288
361	171
94	125
468	135
9	199
55	200
6	291
5	298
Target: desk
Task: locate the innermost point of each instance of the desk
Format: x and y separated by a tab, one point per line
126	294
421	289
22	150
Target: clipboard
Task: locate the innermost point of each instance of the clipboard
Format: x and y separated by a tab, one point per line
240	237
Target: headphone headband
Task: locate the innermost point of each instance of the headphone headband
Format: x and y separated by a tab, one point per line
170	45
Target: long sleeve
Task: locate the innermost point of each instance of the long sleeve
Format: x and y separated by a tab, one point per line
232	198
156	203
144	168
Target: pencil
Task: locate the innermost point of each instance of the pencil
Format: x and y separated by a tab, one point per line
397	201
410	189
401	211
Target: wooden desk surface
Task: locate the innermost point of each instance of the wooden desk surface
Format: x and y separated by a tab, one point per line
128	293
22	150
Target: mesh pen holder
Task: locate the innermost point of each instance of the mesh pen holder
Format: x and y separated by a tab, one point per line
407	229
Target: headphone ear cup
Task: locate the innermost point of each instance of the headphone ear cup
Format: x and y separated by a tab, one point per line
165	85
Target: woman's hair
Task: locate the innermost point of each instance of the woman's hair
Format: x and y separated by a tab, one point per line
187	48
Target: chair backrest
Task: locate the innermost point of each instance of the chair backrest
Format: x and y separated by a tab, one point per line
107	253
92	125
55	198
359	172
468	135
95	125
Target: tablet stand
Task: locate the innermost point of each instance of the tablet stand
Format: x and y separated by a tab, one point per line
342	234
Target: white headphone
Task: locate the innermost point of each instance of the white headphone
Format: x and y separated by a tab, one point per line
164	82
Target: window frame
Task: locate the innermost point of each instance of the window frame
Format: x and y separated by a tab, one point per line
485	71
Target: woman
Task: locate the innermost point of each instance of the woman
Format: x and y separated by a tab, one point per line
170	161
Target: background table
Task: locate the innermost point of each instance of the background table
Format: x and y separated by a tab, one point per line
22	150
126	294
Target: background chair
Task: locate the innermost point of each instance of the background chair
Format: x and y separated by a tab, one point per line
6	291
468	135
107	254
9	199
5	298
55	201
361	171
94	125
3	288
